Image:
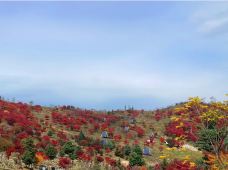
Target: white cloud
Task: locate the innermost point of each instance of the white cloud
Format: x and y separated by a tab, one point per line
214	25
211	18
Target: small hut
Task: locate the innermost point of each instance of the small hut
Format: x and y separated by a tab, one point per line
132	120
104	134
126	128
103	142
146	151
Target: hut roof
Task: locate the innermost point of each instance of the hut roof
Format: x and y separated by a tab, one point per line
146	151
104	134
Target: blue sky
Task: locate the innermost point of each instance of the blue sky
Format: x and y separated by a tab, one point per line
105	55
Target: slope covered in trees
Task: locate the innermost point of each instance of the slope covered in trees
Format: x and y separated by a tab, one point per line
190	135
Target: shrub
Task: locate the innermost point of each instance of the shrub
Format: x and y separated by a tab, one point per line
136	149
140	132
136	159
99	158
81	136
4	144
64	162
204	137
29	155
127	150
51	152
110	145
50	133
171	142
40	156
119	152
177	164
69	149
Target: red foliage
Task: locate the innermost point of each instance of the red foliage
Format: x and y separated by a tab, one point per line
84	156
108	150
21	135
129	136
76	127
37	108
90	150
54	142
62	135
100	158
140	131
96	126
188	129
117	137
9	151
110	161
157	167
126	142
180	165
111	130
162	140
104	126
64	162
79	153
136	142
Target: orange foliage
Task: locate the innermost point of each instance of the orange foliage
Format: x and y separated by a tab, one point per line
40	157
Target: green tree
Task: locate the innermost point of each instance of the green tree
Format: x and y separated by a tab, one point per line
110	144
137	150
81	136
50	133
127	150
136	159
69	149
28	144
4	144
51	152
29	155
119	152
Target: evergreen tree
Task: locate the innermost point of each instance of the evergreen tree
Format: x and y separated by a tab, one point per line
127	150
81	136
51	152
137	150
68	148
29	155
136	159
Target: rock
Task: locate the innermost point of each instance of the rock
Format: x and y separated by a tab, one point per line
189	147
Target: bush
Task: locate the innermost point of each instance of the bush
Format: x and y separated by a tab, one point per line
136	149
4	144
28	144
171	142
119	152
51	152
177	164
68	148
127	150
64	162
136	159
99	158
81	136
110	145
50	133
29	155
200	163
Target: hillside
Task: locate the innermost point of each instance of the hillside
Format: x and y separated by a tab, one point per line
190	135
